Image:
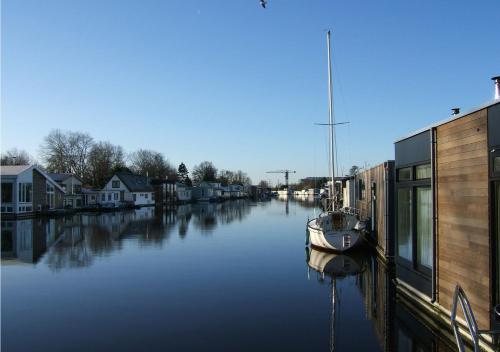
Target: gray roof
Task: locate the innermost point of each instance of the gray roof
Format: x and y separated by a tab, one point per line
449	119
13	170
135	183
58	177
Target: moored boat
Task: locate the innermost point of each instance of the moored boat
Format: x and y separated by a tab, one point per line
335	230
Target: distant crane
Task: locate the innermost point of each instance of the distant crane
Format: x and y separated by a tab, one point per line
286	172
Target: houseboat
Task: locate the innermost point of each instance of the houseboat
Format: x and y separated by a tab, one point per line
447	198
125	188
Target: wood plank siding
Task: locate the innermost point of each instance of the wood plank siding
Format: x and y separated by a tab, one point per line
462	206
382	227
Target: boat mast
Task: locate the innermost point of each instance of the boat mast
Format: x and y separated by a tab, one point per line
331	121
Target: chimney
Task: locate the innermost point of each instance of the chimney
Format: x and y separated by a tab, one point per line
497	87
455	111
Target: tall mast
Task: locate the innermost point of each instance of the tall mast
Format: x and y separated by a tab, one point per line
331	118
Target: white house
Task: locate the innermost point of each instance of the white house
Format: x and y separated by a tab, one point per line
183	192
125	188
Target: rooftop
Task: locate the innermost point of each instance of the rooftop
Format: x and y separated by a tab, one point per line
13	170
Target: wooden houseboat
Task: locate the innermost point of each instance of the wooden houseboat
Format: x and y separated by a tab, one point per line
448	209
374	199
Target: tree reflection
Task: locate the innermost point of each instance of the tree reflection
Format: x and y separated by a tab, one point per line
76	241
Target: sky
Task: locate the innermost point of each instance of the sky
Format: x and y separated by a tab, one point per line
239	85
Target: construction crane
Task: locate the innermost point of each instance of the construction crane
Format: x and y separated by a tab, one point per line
286	172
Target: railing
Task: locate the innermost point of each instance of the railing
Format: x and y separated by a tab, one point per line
350	210
460	297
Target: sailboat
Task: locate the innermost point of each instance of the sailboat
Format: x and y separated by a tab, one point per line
334	229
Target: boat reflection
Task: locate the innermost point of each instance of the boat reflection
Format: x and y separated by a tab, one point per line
394	325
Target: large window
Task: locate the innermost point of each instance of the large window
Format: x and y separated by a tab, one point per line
423	171
361	189
7	192
50	196
405	247
404	174
115	184
424	226
25	192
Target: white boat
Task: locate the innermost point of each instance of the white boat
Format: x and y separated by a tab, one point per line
334	229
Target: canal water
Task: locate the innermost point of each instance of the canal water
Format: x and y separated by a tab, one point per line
233	276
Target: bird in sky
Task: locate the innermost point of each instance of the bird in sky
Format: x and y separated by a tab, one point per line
263	3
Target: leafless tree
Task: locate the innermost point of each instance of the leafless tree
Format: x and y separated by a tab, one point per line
67	152
153	164
103	161
205	171
16	156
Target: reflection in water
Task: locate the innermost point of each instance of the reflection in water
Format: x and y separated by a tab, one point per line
158	274
394	326
75	241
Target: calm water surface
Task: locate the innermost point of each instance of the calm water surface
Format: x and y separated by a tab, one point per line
212	277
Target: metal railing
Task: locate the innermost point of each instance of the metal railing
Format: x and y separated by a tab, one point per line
460	297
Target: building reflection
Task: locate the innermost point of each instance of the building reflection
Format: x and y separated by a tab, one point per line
75	241
396	325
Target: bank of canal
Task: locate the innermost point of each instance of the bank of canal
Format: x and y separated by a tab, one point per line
221	277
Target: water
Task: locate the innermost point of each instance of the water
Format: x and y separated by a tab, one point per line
212	277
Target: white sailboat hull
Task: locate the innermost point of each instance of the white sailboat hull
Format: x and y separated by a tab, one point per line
324	234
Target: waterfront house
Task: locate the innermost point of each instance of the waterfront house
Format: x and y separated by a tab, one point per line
90	197
125	188
72	185
374	199
236	191
183	193
447	218
27	189
203	192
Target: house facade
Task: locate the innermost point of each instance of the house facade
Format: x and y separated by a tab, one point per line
72	185
125	188
27	189
447	219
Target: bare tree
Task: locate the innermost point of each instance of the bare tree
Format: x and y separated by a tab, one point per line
103	161
153	164
263	184
67	152
16	156
205	171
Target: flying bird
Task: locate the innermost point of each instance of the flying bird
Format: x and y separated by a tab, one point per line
263	3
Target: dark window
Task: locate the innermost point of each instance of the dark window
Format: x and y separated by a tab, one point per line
362	189
77	188
404	174
115	184
496	164
6	192
405	246
135	197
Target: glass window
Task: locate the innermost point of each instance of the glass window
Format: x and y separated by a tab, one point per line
424	226
109	196
135	197
404	174
496	164
146	195
362	190
405	247
116	196
497	228
115	184
103	197
423	171
25	192
6	192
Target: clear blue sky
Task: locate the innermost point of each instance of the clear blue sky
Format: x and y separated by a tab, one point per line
230	82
